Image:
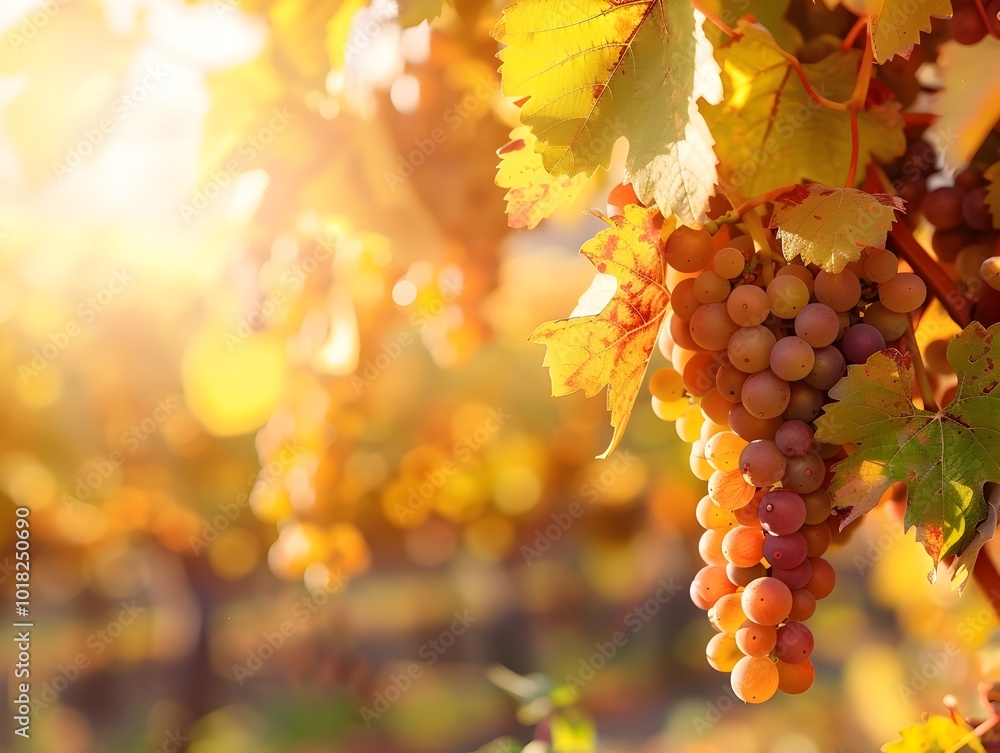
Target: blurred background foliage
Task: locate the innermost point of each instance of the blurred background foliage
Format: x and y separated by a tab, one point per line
270	401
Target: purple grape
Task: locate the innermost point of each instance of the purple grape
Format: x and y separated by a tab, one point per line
861	341
781	512
828	368
795	643
795	439
804	474
794	577
785	552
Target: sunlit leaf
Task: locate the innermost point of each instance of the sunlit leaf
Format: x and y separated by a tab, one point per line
895	25
937	734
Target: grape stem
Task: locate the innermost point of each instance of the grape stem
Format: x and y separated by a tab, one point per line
852	35
857	102
926	392
714	19
735	215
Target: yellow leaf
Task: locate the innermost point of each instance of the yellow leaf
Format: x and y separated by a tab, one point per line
895	25
338	32
613	348
596	71
533	193
936	735
769	132
830	226
969	101
992	174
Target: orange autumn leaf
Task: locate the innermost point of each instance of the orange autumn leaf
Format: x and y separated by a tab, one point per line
613	348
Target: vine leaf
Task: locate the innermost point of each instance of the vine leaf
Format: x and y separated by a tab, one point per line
935	735
968	102
830	226
613	347
895	25
599	70
992	175
945	458
533	194
769	132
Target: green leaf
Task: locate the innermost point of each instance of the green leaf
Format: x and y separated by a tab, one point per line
769	132
937	734
533	193
944	457
595	71
830	226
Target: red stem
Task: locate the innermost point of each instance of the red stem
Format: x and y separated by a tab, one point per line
718	22
911	119
852	35
852	171
986	19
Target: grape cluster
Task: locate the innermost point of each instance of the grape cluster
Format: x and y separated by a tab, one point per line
753	353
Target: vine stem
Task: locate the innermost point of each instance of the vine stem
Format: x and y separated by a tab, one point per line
926	392
857	101
852	35
852	171
714	19
734	215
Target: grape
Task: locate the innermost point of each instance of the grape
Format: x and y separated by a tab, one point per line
828	369
666	384
741	576
861	341
728	490
748	426
699	372
710	585
903	293
765	395
936	357
993	19
680	333
795	678
805	402
881	265
782	512
990	271
787	295
840	291
799	272
756	640
819	505
968	178
942	208
729	382
729	615
723	450
795	643
683	300
891	324
748	305
750	348
817	539
710	547
711	326
710	287
766	601
722	653
822	580
803	603
709	429
795	439
804	474
970	259
729	263
621	196
710	515
792	358
688	426
967	25
716	407
754	679
747	515
700	467
688	249
762	463
947	243
786	551
794	577
742	243
669	411
817	324
743	546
